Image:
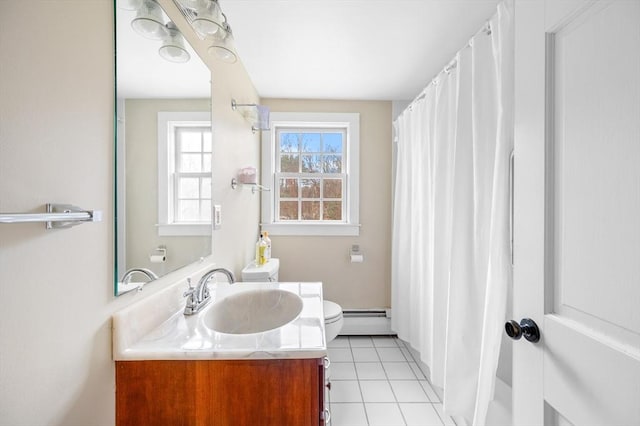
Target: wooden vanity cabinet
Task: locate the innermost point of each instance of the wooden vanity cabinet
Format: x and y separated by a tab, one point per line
278	392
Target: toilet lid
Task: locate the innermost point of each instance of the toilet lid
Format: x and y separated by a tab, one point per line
331	310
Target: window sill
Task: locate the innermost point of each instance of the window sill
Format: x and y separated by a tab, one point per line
184	230
312	229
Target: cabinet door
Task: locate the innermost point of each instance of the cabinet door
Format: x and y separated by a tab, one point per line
220	393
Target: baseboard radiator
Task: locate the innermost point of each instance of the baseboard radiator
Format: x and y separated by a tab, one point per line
358	322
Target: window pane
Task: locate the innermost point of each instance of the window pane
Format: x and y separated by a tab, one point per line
206	136
332	164
189	210
205	211
310	188
332	188
188	187
205	192
190	141
332	142
332	210
288	210
206	162
190	162
289	163
289	142
311	142
289	188
311	210
311	163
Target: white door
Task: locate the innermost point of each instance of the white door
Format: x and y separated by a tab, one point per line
577	211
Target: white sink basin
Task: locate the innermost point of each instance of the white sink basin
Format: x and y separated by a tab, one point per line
253	311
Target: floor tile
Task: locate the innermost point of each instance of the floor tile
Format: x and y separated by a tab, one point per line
420	414
445	419
342	371
345	391
398	371
376	391
390	354
365	355
348	414
408	391
433	397
370	371
381	414
361	341
384	342
339	354
339	342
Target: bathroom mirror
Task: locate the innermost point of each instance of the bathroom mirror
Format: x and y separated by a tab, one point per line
163	145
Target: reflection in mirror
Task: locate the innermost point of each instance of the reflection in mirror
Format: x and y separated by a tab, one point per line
163	146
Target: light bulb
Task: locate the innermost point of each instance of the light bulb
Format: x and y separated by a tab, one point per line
223	53
173	49
208	21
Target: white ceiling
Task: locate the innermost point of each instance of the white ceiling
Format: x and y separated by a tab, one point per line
350	49
316	49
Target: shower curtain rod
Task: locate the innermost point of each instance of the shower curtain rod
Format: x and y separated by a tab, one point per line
486	29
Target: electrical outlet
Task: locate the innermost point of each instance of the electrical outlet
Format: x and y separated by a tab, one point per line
217	216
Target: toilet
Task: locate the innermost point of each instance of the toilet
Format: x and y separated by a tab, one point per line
333	319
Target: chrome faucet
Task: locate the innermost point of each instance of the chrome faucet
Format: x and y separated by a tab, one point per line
144	271
198	297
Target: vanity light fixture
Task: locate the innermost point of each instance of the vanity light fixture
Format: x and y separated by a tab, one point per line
208	20
149	22
210	24
172	48
222	48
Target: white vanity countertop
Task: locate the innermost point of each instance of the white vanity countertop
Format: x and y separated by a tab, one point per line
156	328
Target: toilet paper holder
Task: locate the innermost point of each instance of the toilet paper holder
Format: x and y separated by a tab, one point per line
159	255
355	255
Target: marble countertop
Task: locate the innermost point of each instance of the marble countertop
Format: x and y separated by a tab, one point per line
155	328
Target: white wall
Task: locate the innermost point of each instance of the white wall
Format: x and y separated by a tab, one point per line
352	285
141	120
56	145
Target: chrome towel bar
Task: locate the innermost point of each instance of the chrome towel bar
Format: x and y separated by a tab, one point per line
56	216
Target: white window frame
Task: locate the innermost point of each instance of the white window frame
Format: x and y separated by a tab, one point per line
167	122
350	226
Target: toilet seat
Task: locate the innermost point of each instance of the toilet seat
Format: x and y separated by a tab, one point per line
332	311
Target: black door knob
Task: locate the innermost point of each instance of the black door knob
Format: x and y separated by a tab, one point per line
527	328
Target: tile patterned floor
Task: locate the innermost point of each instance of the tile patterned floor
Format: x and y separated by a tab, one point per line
376	382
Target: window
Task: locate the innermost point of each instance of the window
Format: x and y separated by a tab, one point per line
310	160
184	173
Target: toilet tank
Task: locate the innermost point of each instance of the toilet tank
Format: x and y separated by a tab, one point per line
261	273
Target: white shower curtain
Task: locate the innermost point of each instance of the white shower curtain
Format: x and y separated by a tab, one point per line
450	254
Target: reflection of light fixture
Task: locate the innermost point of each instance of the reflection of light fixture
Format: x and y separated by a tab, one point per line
223	48
209	23
209	20
173	49
148	21
262	119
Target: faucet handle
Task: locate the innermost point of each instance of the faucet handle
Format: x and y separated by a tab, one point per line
190	290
